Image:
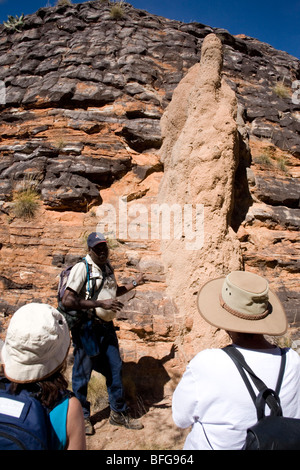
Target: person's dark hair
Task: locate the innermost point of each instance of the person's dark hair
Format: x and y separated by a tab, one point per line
247	336
48	391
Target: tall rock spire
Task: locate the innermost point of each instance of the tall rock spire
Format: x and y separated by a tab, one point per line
200	156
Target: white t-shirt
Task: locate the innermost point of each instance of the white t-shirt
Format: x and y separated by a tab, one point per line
213	399
77	281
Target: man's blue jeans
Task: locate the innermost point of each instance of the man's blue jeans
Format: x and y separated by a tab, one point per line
107	362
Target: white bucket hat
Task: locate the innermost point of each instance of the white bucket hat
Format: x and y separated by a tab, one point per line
36	345
242	302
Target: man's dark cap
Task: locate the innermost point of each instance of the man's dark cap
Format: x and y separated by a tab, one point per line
94	238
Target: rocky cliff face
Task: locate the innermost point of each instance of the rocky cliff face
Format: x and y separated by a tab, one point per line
85	94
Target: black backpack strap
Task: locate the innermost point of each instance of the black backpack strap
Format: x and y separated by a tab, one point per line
265	394
238	359
281	371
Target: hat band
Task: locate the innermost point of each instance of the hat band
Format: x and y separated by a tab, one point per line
243	315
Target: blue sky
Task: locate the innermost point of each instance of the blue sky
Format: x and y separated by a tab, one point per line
271	21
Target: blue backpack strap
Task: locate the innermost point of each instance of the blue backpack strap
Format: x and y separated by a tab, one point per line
87	276
88	280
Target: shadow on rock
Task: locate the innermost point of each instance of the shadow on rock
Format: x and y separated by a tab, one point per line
144	382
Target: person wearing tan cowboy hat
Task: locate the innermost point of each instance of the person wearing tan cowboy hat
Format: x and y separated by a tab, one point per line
211	396
33	357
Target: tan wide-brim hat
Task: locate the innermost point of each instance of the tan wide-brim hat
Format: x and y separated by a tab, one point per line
242	302
36	344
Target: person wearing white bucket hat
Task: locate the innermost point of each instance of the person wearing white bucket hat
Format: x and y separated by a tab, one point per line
211	396
34	357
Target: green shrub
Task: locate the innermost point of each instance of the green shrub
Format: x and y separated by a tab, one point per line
62	3
97	391
282	165
281	90
264	159
267	157
14	23
116	11
25	203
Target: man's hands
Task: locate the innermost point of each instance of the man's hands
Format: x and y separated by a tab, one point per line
72	301
140	279
116	305
109	304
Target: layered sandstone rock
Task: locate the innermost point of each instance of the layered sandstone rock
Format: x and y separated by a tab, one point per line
269	234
